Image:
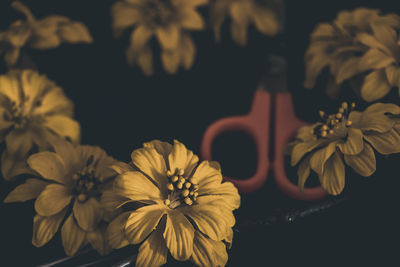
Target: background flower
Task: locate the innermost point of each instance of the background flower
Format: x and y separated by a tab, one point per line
70	185
349	136
45	33
169	21
172	186
343	45
264	14
33	111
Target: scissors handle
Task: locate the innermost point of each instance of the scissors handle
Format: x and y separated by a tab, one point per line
286	126
256	124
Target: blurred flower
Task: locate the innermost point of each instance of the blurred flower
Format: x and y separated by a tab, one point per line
33	110
347	135
345	42
169	21
71	182
262	13
185	208
46	33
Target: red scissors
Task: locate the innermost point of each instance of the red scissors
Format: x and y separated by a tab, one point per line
276	102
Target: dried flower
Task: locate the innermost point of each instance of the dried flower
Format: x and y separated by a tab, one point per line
45	33
33	111
347	135
342	44
185	207
70	185
168	20
262	13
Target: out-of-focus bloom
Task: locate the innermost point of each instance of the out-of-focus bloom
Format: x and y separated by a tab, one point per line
33	110
185	207
347	135
344	46
169	21
70	185
264	14
45	33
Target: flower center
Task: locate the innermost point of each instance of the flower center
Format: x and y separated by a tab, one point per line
182	190
334	124
160	12
18	115
86	183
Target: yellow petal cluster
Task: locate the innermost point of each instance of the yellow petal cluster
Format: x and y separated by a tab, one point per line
171	202
69	185
170	21
347	137
264	14
359	46
33	111
46	33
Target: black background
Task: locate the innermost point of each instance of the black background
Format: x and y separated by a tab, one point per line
119	109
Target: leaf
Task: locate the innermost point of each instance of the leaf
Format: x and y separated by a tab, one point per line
375	86
363	163
333	177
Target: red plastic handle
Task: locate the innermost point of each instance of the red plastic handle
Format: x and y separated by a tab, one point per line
256	124
286	126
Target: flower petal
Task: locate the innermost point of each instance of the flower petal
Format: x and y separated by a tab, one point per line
385	34
116	231
333	177
19	143
354	143
187	51
121	167
168	36
124	16
151	163
374	59
163	148
363	163
385	143
9	87
140	37
266	21
171	60
206	175
182	158
66	151
55	102
207	252
375	86
88	214
142	222
52	200
137	187
98	240
239	33
303	172
49	165
153	251
319	158
393	75
12	166
302	148
178	235
27	191
225	191
208	219
73	237
111	201
44	228
191	19
64	126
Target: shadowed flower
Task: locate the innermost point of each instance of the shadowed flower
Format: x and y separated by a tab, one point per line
347	135
33	110
264	14
45	33
342	44
185	207
70	185
169	21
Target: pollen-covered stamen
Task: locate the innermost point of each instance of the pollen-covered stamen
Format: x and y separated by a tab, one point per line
182	190
160	12
86	182
330	123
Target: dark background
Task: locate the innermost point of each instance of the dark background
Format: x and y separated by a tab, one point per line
119	109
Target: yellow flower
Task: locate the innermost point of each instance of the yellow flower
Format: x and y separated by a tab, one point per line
341	44
71	182
347	135
169	21
185	208
262	13
33	110
46	33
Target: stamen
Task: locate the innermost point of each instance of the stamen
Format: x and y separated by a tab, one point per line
170	187
82	197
